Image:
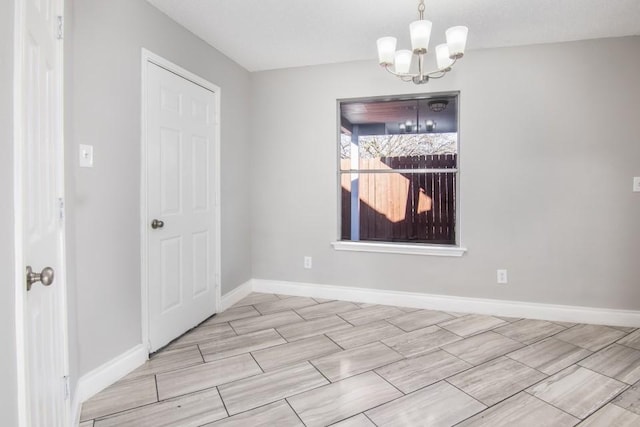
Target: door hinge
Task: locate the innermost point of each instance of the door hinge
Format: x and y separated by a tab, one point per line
60	28
61	209
67	387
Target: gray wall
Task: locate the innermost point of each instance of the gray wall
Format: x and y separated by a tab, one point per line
8	378
105	201
550	140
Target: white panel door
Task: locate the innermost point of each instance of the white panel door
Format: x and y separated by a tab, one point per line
41	235
180	134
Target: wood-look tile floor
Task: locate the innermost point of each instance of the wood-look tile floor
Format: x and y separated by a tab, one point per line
274	360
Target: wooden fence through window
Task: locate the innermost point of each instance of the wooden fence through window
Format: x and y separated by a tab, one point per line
403	207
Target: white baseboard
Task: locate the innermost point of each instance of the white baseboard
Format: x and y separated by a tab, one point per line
553	312
236	295
104	375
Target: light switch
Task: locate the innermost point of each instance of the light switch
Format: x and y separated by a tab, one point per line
86	156
636	184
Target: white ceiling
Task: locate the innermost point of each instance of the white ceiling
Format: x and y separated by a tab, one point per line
270	34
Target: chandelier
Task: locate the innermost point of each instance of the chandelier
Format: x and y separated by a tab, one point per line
446	54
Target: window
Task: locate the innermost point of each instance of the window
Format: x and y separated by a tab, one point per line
399	170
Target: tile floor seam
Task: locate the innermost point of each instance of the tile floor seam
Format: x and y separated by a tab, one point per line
622	407
286	399
532	342
113	414
625	388
324	376
395	351
286	341
621	338
349	417
546	376
574	363
201	355
552	405
416	391
574	416
255	360
469	326
387	381
215	386
474	415
155	380
333	341
383	403
338	314
461	390
599	373
224	405
461	359
367	417
484	363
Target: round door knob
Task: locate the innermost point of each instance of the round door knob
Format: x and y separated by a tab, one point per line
156	223
45	277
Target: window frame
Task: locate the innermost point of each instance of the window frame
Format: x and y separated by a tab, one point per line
456	249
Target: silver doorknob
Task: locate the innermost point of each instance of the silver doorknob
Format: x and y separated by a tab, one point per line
46	277
156	223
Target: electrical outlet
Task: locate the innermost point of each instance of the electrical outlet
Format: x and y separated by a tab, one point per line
307	262
636	184
502	277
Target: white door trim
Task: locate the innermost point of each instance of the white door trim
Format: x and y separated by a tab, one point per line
21	357
148	56
19	261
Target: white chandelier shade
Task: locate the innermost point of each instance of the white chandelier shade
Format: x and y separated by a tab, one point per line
403	61
387	49
420	32
457	40
443	58
398	62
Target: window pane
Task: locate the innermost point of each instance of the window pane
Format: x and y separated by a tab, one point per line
399	207
376	146
389	151
434	151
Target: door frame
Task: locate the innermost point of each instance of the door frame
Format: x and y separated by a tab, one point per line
18	198
150	57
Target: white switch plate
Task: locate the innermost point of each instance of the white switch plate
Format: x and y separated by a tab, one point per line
502	277
636	184
86	156
307	262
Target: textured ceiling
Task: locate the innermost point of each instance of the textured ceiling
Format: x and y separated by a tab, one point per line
270	34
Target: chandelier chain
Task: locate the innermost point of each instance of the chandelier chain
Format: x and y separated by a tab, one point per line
421	8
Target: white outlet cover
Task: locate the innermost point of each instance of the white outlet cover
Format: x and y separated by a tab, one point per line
636	184
308	262
502	276
85	156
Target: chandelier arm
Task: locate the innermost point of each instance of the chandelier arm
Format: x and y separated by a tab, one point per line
435	74
438	74
402	76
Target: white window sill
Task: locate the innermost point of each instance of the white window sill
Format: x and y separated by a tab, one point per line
399	248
